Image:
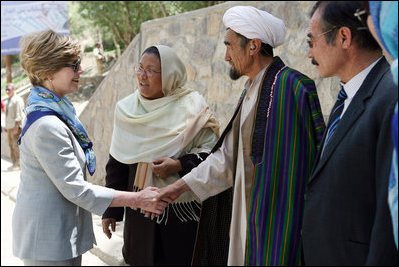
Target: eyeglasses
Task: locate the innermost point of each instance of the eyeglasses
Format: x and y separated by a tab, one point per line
75	66
311	39
149	72
8	89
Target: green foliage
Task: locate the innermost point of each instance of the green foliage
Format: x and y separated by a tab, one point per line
116	20
14	61
76	24
121	20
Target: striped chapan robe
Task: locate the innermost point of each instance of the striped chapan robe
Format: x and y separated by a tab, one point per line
286	132
286	136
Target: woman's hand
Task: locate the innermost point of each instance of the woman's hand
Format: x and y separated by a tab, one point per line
145	199
165	167
106	222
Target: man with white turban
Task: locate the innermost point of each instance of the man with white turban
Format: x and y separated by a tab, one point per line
252	184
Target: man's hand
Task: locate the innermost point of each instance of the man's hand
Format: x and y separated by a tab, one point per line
173	191
106	222
165	167
147	200
169	193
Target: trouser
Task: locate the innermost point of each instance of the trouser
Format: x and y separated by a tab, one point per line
13	143
100	66
70	262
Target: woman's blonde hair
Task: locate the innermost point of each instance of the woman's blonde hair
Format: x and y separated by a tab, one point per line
46	52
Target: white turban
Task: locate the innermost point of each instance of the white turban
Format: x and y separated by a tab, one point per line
255	23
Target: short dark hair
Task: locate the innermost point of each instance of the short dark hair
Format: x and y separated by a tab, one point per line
340	13
265	50
152	50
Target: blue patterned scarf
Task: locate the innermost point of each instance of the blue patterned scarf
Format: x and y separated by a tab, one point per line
42	99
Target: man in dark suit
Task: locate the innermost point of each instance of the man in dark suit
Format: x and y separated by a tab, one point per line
346	219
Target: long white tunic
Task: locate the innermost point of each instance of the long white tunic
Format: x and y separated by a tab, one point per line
231	165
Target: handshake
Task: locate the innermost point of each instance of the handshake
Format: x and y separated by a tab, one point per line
151	200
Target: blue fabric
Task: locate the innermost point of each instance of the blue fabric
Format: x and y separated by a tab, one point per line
31	118
335	116
384	15
393	179
385	20
42	99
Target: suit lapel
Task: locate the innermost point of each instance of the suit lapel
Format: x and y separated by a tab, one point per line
355	109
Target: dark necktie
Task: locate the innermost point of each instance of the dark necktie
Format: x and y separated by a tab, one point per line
335	115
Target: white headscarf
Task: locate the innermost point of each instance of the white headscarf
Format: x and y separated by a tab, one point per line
255	23
147	129
170	126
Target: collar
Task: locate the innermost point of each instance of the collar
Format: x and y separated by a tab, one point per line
353	85
257	79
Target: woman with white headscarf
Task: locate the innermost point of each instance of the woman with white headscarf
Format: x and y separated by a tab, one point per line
161	132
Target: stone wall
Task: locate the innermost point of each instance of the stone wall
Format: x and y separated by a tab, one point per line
197	37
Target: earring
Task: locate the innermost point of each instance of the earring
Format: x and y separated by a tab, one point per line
52	86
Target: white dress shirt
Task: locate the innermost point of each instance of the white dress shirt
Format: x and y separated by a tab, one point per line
353	85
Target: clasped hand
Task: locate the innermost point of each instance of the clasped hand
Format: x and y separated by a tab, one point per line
145	199
167	194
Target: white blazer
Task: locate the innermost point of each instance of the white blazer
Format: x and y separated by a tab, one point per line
52	216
